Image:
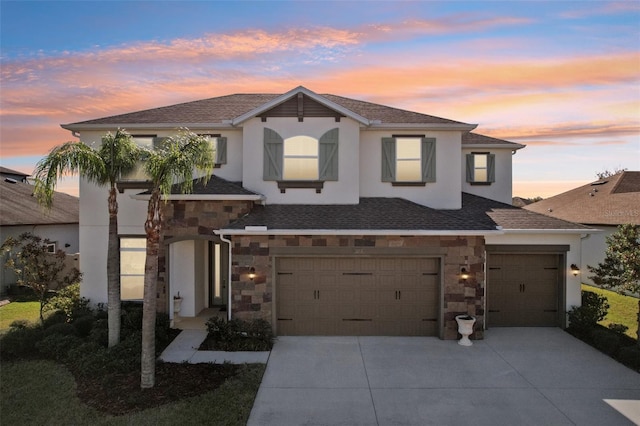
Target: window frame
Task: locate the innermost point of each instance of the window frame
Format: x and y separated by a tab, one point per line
120	253
471	168
220	148
390	160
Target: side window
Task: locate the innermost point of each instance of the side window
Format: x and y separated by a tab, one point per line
133	251
138	174
219	146
408	160
481	168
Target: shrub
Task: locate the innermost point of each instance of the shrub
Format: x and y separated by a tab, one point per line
583	318
61	329
606	341
630	356
618	328
20	343
69	302
20	323
57	346
87	358
83	325
100	332
55	317
239	335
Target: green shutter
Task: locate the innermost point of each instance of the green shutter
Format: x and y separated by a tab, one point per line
470	167
273	155
491	168
221	150
328	155
388	160
428	159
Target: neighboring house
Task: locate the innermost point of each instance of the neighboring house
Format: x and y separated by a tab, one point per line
20	213
330	215
603	204
12	174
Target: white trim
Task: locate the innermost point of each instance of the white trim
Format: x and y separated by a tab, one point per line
406	232
427	126
300	89
147	126
202	197
551	231
510	145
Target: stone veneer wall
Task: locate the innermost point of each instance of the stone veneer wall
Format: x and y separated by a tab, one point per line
254	298
193	219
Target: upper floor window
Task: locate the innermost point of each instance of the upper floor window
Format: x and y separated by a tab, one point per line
138	174
219	146
408	160
481	169
300	158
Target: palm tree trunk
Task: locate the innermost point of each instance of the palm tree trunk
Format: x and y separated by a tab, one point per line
113	272
152	229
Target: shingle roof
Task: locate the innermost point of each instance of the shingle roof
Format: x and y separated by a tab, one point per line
369	214
214	186
18	206
611	201
4	170
389	214
224	109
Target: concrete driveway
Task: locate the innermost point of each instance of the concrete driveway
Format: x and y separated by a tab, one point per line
516	376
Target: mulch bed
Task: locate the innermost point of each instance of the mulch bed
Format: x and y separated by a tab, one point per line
118	394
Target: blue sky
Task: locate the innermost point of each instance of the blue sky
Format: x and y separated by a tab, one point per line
561	77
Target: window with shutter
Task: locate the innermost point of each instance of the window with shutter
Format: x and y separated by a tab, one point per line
219	147
138	179
480	168
408	160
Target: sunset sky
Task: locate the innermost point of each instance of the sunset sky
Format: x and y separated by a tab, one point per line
561	77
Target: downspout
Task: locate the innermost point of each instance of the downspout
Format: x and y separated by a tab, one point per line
222	238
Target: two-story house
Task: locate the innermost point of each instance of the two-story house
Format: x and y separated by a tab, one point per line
334	216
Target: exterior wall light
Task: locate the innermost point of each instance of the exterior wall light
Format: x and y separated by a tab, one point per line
252	273
575	270
464	275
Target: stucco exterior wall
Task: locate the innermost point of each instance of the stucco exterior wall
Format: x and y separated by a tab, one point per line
501	189
594	248
343	191
444	193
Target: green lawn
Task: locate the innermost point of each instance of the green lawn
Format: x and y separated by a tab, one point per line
43	392
29	311
622	309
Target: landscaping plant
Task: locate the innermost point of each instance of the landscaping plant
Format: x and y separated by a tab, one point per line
173	161
117	156
620	270
37	268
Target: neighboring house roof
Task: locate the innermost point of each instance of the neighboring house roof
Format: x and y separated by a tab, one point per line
611	201
6	171
477	216
18	206
234	109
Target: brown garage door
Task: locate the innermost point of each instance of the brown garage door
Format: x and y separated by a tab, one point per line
357	296
522	290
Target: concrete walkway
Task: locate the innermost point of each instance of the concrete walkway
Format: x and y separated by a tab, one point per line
184	348
516	376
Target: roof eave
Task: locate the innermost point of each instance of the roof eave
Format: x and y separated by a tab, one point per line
428	126
553	231
413	232
202	197
129	126
300	89
510	145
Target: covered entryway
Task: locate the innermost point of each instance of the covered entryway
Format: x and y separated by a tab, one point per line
523	290
384	296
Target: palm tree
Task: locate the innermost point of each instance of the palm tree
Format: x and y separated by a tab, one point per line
117	156
174	161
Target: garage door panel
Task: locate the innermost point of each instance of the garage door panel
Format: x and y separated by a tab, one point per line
523	290
358	296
